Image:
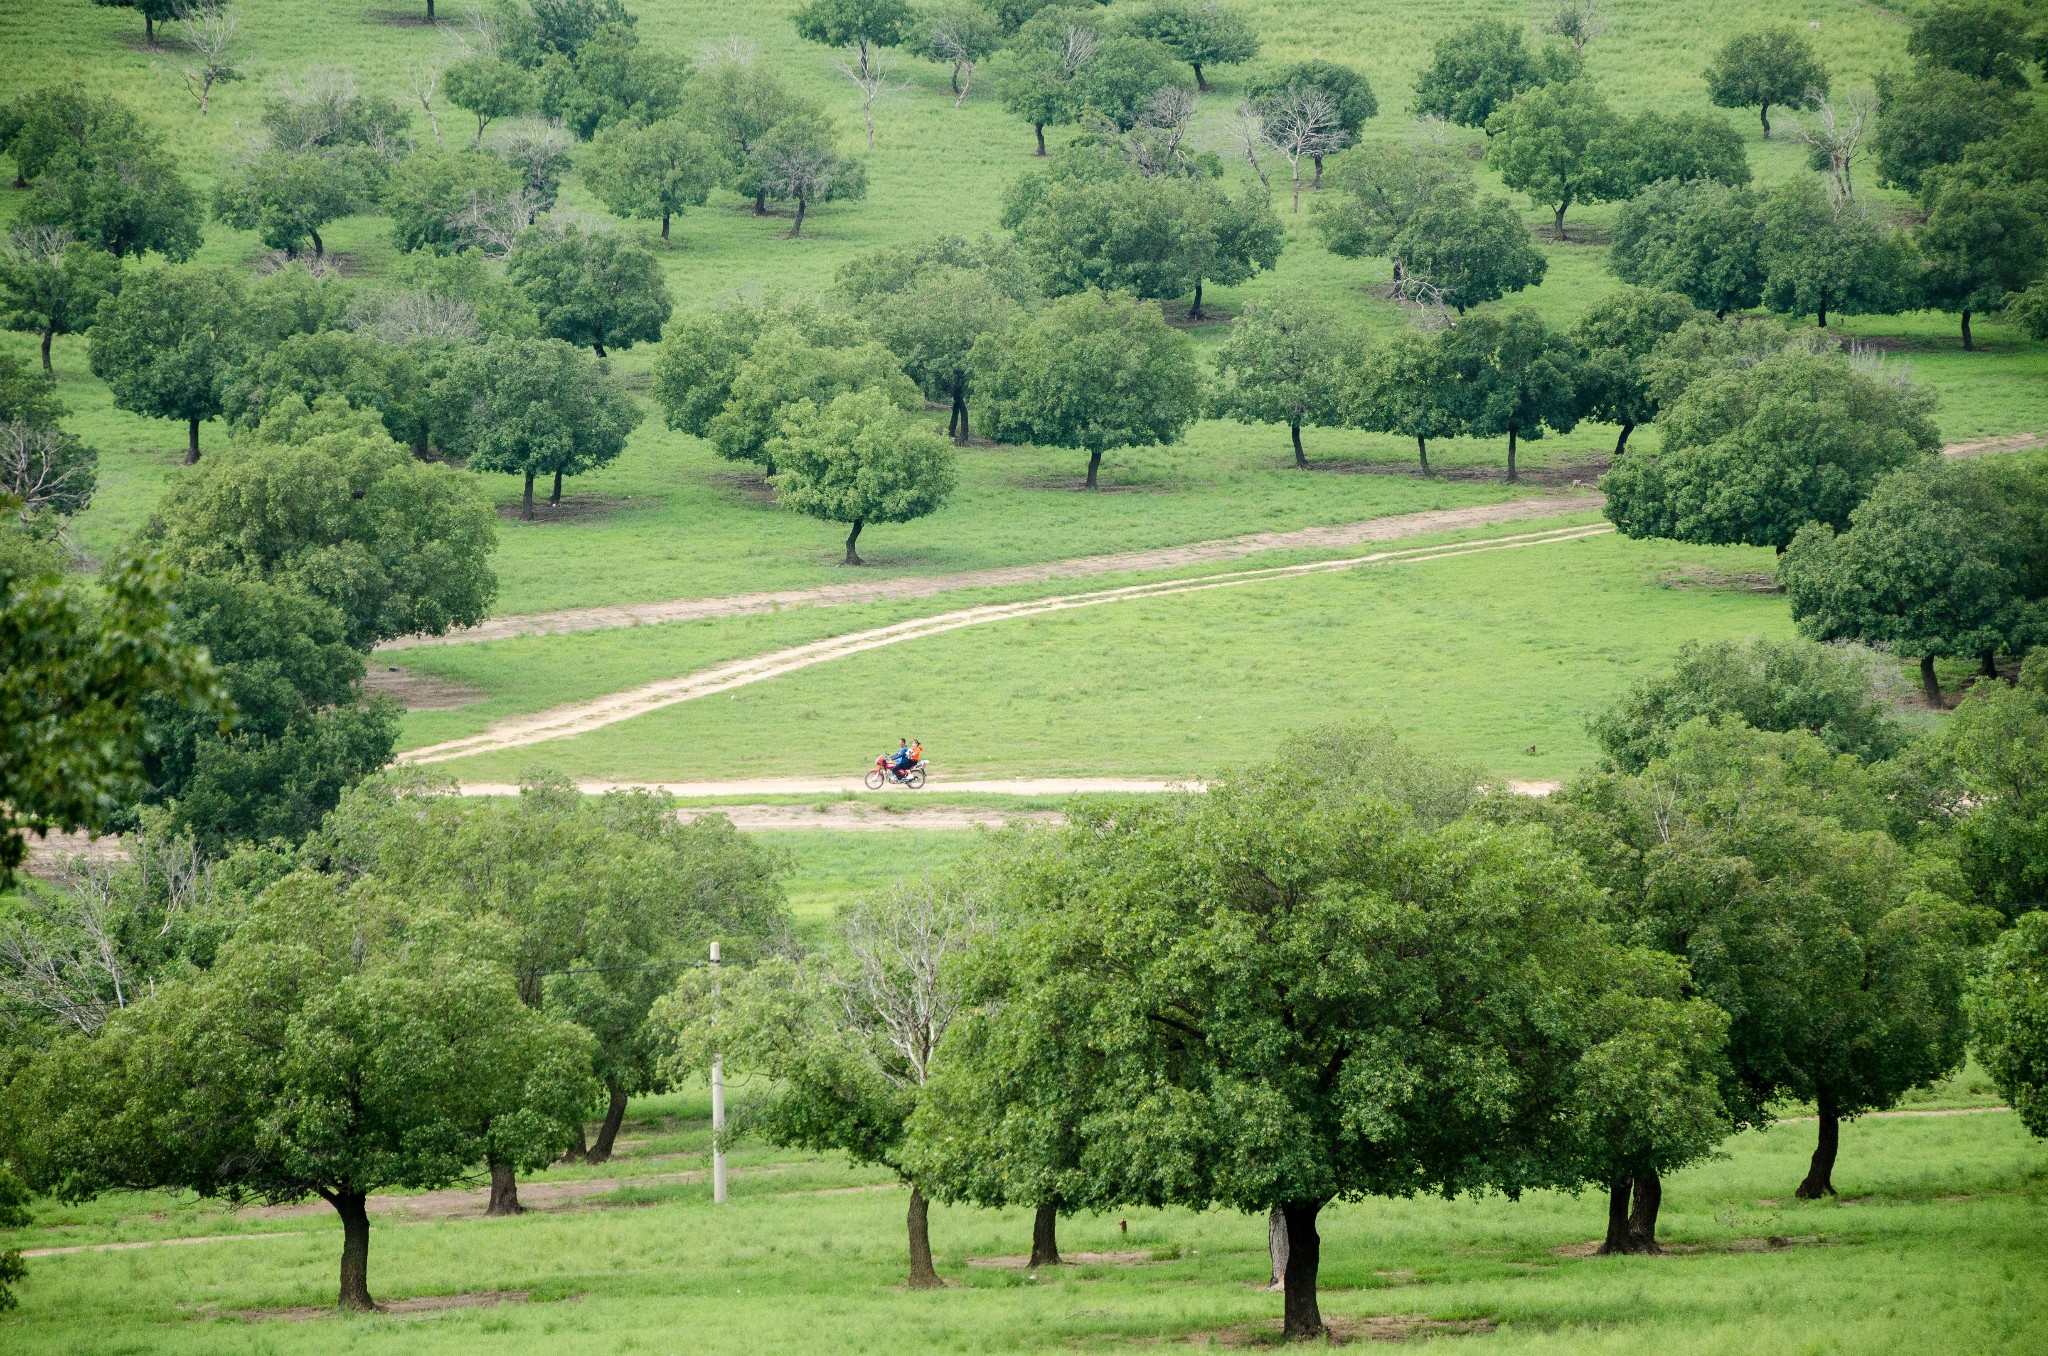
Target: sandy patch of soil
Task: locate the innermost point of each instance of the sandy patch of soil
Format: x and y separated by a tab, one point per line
423	1306
856	817
2016	442
1129	1257
47	855
416	691
1344	1330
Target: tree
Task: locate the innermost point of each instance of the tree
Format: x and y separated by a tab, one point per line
1556	143
287	196
1766	66
1408	387
1036	70
1752	454
1615	340
1578	22
1200	34
1376	190
428	189
13	1215
540	154
1301	123
797	161
1821	253
1927	118
1652	147
208	32
849	1041
609	79
51	284
1940	560
2009	1019
1121	81
597	289
1834	693
114	186
45	472
735	104
1994	747
166	342
1514	377
1982	247
327	108
654	171
1761	860
1470	250
1287	361
1701	240
321	500
488	89
1092	371
354	365
961	35
1477	69
1092	221
75	672
1836	138
533	407
1349	94
341	1044
1985	40
858	460
153	13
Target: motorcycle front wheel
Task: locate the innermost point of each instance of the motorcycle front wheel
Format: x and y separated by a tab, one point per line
874	780
914	778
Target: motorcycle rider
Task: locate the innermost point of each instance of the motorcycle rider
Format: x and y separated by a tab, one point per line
900	761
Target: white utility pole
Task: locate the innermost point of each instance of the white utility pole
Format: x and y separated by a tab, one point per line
717	1102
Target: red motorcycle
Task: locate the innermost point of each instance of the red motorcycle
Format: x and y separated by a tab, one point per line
884	773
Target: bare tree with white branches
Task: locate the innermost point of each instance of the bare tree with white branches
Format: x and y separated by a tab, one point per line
45	470
1837	139
1301	123
208	32
423	82
408	317
949	44
1159	140
867	66
492	221
1248	134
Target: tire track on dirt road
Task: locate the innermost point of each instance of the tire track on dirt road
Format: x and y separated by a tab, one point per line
564	722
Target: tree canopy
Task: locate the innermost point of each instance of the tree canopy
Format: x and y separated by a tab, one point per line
534	407
167	341
1616	340
595	289
51	284
1701	240
1477	69
1767	66
1287	361
1199	32
858	460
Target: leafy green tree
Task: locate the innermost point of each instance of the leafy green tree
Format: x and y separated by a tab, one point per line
1701	240
610	79
1514	377
654	171
534	407
1092	371
27	396
292	300
862	24
1945	559
327	108
75	674
799	161
858	460
1981	247
153	12
36	124
1821	253
1652	147
488	89
367	373
1761	860
1615	340
427	188
1035	73
847	1042
1376	189
166	343
1348	91
113	185
1200	34
1927	118
51	284
960	35
1996	744
1766	66
2009	1019
540	154
1557	143
1985	40
1287	361
343	1043
286	196
1408	387
1121	80
1469	249
1477	69
1753	453
13	1215
1832	692
597	289
321	500
460	289
734	103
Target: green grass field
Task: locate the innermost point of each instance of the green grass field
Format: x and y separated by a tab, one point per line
1935	1245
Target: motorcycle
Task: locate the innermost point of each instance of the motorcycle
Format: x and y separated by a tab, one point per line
884	773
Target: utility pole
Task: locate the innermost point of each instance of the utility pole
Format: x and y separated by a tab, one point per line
717	1100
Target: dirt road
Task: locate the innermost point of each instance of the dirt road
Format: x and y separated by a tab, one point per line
563	722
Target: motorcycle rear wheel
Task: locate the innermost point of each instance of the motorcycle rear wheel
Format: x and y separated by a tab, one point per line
914	778
874	780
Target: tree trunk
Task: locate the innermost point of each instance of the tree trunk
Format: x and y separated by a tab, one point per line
1642	1219
956	79
148	29
504	1192
922	1276
1820	1175
1422	449
1039	128
1200	84
761	203
48	335
1276	1246
1300	459
1297	188
526	510
1560	223
319	245
191	442
1621	443
598	347
355	1249
853	556
1303	1320
797	227
1820	317
1988	662
958	425
1765	114
581	1148
1094	462
1195	311
1967	346
430	11
555	499
953	420
1318	182
664	228
1045	1243
1617	1240
608	1133
1513	476
1930	686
